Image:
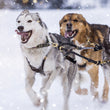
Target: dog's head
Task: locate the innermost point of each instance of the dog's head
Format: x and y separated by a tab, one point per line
30	28
73	26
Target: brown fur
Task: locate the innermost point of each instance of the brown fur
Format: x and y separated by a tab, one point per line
95	34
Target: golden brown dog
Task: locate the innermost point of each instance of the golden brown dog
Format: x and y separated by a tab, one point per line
75	27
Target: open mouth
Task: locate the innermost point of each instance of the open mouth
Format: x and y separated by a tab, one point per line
71	34
25	36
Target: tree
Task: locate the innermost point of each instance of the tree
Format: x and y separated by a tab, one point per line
104	3
2	4
56	3
25	4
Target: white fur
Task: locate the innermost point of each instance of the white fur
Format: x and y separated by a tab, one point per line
101	82
78	59
35	57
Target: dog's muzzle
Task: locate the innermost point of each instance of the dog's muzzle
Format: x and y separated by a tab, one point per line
70	33
25	36
69	26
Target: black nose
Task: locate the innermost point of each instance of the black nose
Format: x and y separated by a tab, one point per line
69	26
21	28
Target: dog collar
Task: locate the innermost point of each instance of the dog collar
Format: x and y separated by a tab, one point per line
82	66
43	44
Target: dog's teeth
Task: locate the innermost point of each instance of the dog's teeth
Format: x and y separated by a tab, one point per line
73	34
29	34
25	40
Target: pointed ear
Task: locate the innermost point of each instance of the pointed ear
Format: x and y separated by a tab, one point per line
82	19
35	16
25	12
37	13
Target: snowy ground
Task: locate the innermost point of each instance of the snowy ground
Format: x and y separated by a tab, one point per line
12	92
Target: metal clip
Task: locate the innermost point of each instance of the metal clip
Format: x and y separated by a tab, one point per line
54	44
60	48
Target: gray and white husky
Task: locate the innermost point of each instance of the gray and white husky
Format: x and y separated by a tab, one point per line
42	58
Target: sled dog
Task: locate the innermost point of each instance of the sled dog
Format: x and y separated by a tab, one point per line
41	57
75	27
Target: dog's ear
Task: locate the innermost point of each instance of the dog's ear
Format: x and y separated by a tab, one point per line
61	21
35	16
82	19
37	13
25	12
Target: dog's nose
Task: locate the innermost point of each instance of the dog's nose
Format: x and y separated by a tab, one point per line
21	28
69	26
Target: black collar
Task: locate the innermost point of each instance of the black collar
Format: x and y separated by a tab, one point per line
82	66
46	44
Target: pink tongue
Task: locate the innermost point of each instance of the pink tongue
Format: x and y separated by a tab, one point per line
24	36
68	34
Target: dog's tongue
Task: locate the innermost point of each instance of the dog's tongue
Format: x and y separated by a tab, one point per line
68	34
24	35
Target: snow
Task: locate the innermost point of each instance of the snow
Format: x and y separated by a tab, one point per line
12	90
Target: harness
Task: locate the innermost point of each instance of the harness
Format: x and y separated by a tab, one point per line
96	48
60	46
40	69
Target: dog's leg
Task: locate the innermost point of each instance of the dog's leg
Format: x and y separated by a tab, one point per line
106	85
44	90
105	91
44	94
29	81
67	80
106	70
66	90
93	72
77	83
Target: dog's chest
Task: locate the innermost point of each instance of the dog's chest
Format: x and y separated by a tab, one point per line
78	59
36	57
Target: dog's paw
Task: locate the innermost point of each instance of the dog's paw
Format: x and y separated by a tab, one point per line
83	91
37	102
104	100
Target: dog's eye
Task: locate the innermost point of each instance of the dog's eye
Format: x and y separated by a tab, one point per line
29	21
18	21
75	20
65	20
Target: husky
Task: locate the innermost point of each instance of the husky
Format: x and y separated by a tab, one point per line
41	57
